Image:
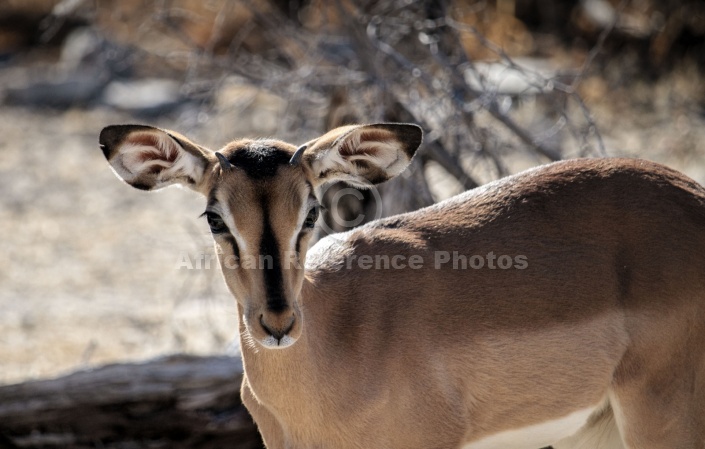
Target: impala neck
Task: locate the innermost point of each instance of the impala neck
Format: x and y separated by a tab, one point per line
277	375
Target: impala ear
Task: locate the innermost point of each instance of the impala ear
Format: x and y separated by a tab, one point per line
362	154
150	158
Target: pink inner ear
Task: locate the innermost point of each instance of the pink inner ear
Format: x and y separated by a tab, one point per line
157	150
148	153
364	143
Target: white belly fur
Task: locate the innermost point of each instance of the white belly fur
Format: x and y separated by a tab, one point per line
538	435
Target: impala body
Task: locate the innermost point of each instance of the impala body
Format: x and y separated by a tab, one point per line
562	306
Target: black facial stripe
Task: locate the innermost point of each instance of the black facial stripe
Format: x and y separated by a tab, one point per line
233	244
298	243
272	272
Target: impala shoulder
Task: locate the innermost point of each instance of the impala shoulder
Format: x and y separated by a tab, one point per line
329	253
386	236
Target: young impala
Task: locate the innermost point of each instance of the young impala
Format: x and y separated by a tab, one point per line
563	306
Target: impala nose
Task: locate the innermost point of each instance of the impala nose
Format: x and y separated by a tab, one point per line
277	325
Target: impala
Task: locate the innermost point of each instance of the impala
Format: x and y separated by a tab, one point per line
589	334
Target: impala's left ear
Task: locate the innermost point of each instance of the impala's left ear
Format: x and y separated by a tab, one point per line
361	154
150	158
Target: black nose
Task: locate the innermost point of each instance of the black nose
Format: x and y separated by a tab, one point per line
277	325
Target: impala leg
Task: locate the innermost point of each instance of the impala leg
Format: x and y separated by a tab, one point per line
268	426
659	416
658	391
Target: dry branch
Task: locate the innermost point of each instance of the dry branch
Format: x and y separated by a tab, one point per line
394	61
174	402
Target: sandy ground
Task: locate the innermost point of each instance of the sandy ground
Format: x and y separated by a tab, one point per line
89	267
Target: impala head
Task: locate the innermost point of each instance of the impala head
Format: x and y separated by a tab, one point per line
262	202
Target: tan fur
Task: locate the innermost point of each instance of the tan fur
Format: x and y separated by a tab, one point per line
608	313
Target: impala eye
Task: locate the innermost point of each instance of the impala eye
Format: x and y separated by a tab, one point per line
312	216
216	223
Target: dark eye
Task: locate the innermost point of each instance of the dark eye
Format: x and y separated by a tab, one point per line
216	223
312	216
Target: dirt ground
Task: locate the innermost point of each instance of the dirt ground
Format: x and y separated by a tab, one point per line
90	268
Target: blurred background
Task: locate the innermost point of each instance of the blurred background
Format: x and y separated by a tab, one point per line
92	271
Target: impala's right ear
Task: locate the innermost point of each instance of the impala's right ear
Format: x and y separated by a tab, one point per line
150	158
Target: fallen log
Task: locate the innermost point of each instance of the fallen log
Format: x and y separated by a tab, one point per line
172	402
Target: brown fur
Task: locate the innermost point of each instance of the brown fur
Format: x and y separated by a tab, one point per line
609	311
